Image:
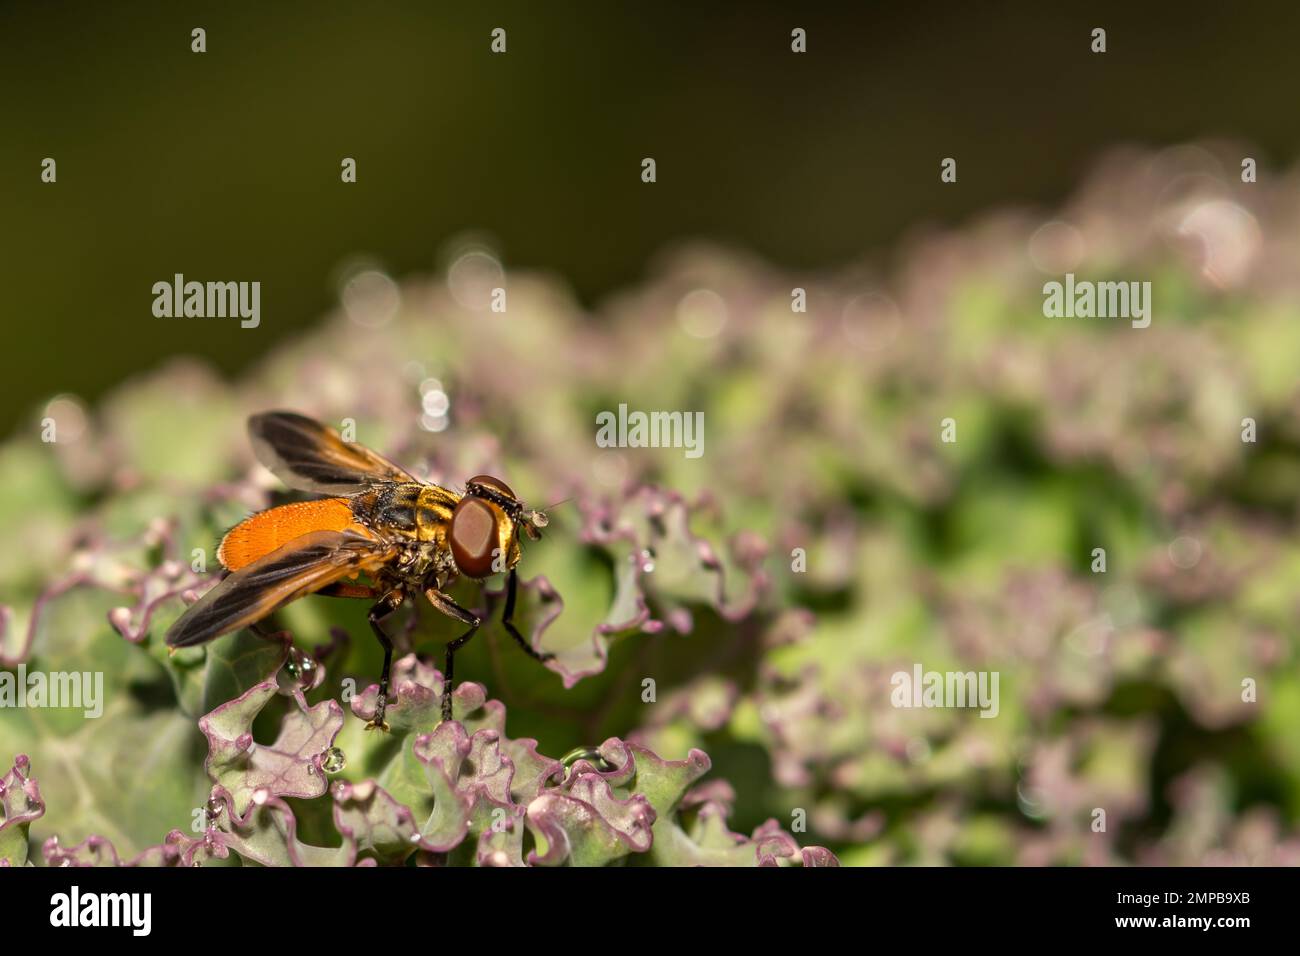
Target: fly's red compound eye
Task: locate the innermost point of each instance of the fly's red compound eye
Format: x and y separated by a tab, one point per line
475	535
496	484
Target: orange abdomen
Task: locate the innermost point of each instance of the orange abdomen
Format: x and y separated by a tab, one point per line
262	533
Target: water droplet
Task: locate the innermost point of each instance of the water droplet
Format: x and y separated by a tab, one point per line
702	313
647	561
433	399
214	808
1031	802
1057	247
333	760
299	668
371	298
261	795
871	322
1225	237
1185	552
434	423
473	273
69	415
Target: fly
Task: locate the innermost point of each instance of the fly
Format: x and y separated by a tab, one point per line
407	536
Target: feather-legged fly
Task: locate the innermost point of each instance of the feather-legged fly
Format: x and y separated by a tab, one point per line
406	536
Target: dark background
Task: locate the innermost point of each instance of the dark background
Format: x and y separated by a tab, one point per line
225	165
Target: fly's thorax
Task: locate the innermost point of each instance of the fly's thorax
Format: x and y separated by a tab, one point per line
433	510
389	509
407	511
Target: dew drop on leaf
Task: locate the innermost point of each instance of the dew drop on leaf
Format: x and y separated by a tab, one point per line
333	760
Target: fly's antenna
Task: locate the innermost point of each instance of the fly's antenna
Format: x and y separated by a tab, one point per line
534	521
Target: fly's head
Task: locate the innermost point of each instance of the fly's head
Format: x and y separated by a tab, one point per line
486	525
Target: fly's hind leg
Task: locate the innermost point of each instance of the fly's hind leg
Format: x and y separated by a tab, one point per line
449	607
385	606
507	618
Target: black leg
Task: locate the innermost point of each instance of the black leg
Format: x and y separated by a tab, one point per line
449	607
507	618
384	607
447	683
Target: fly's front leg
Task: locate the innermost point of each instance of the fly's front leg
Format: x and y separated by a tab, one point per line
507	618
449	607
384	607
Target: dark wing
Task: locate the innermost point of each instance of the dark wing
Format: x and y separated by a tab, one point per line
308	456
306	564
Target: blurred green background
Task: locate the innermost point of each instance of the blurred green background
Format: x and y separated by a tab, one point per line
226	165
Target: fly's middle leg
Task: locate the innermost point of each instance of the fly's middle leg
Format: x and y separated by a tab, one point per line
508	616
385	606
449	607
